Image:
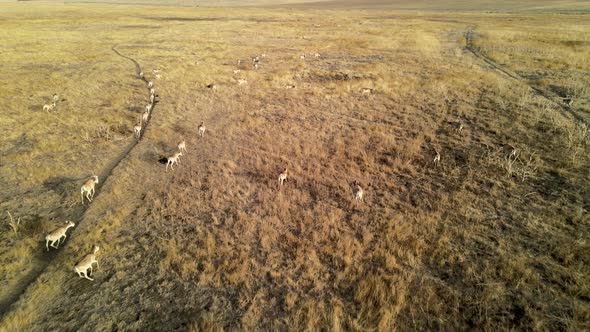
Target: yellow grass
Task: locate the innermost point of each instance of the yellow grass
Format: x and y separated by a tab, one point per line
478	242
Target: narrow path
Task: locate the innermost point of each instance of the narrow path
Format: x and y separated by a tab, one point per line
557	100
44	258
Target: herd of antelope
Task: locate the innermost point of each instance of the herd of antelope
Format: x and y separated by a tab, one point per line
256	61
58	236
357	191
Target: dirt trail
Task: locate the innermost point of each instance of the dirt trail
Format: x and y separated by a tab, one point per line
557	100
44	258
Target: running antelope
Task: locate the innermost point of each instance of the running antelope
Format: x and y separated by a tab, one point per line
49	107
436	157
152	91
236	71
510	150
357	191
173	159
57	234
145	117
367	91
255	59
141	74
283	177
242	81
290	86
150	84
148	108
302	57
212	87
88	188
182	146
513	152
317	55
457	126
202	129
55	98
158	76
137	130
255	65
86	263
152	98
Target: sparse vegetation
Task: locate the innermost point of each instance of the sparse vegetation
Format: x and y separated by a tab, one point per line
486	240
14	224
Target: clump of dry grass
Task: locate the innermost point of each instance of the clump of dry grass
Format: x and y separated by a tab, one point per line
105	132
13	224
576	140
523	164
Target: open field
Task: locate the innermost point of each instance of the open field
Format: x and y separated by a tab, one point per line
522	6
483	240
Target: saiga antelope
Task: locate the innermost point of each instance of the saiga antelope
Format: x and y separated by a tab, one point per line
366	91
202	129
283	177
174	159
137	130
436	157
357	191
88	188
86	263
57	234
49	107
182	146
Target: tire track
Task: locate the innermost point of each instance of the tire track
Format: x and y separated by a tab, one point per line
44	258
552	97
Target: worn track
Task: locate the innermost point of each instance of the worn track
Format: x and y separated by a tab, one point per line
44	258
555	99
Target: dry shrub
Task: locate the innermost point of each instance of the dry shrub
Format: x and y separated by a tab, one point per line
576	136
572	134
576	89
103	132
374	295
205	323
522	165
406	152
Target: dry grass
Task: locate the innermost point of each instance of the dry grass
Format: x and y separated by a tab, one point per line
478	242
552	57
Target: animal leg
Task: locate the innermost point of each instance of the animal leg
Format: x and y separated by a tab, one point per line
85	276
